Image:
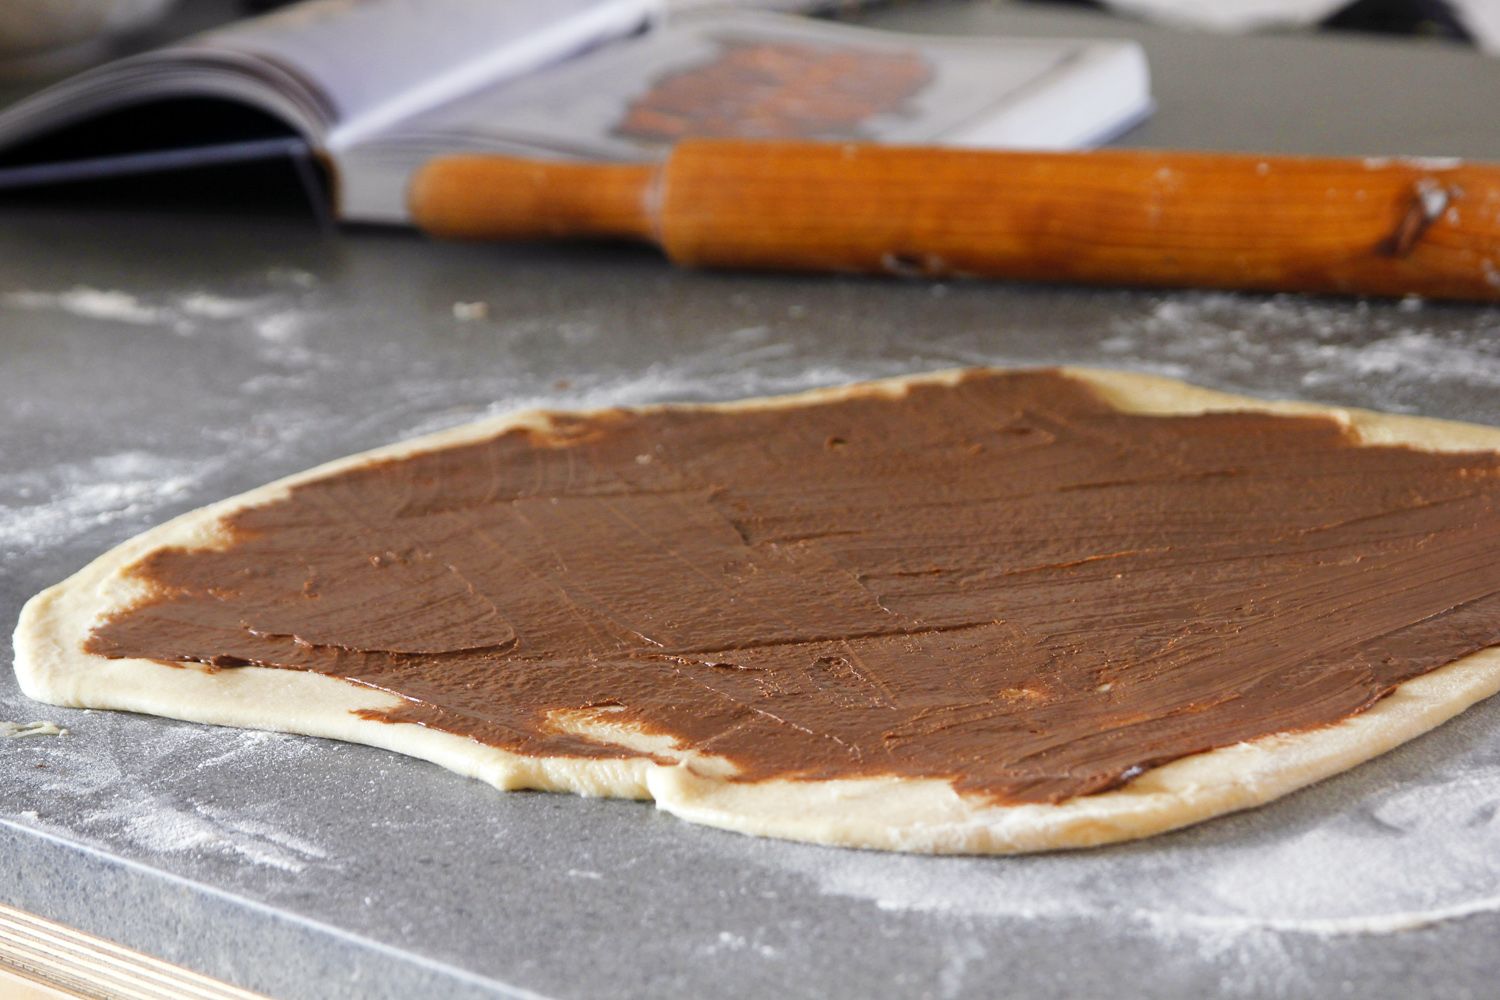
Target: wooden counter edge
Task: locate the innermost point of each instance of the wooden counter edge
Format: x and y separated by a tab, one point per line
44	960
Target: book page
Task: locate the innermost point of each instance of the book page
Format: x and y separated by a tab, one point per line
745	76
375	62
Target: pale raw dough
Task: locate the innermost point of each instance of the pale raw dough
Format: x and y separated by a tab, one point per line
885	813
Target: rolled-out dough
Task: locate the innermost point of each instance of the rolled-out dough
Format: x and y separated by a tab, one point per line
919	815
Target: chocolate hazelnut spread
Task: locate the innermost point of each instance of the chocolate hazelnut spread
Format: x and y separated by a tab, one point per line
1004	583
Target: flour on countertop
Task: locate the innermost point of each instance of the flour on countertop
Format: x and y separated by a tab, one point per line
730	941
280	327
1400	843
17	730
164	828
94	303
42	507
1336	345
164	808
737	364
274	315
210	306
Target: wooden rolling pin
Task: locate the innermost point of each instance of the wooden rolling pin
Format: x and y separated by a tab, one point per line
1359	226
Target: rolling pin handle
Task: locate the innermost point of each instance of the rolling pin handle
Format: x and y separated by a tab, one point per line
505	198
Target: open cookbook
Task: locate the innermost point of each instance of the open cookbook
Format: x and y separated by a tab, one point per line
371	89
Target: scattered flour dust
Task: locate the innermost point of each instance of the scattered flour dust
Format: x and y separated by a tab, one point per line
163	827
742	363
41	507
211	306
280	327
729	941
17	730
44	505
162	807
1365	854
275	316
1245	338
94	303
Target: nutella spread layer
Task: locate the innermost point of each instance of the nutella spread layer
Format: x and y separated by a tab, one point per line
1003	583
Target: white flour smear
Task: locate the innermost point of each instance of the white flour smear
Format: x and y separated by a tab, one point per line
1333	345
93	303
184	313
1403	843
21	730
739	364
42	507
162	808
276	316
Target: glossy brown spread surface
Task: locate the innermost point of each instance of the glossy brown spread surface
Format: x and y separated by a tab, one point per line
1003	583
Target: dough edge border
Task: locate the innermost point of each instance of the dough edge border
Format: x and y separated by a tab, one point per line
912	815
